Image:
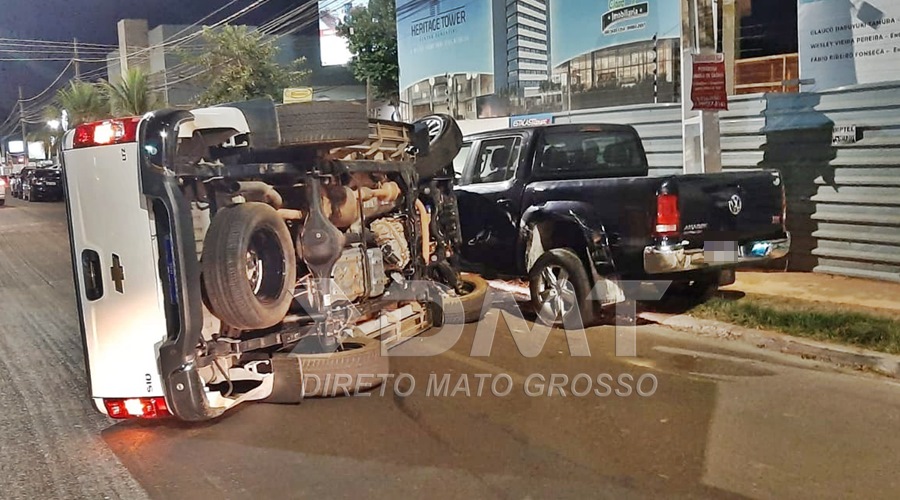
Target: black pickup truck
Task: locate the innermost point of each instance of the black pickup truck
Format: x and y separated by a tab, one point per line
572	207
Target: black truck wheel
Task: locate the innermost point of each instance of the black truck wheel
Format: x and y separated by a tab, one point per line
249	266
323	123
444	142
560	289
357	366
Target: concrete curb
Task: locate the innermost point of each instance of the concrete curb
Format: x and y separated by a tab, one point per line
856	358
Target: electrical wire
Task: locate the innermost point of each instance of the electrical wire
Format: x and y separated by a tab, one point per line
51	42
272	30
58	78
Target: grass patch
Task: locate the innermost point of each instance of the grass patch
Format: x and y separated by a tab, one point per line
807	319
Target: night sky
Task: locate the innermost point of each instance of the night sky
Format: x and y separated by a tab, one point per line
94	21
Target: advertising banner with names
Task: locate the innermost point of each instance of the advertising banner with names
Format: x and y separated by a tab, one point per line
848	42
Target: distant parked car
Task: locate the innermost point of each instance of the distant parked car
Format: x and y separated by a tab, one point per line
4	183
43	184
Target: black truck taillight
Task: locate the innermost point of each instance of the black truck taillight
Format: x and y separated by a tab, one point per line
668	218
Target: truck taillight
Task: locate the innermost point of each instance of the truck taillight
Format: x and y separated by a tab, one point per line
106	132
668	218
136	408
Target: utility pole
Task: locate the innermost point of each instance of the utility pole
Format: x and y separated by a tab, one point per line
369	97
77	60
700	129
22	123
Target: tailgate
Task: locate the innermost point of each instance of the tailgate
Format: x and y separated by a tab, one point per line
731	207
115	264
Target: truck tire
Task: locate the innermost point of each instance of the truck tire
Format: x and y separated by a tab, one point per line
560	289
323	123
249	266
473	301
287	386
684	295
359	363
445	139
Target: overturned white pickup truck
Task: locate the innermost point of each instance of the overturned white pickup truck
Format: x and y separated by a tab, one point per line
223	254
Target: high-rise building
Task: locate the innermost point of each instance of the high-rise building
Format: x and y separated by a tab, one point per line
527	46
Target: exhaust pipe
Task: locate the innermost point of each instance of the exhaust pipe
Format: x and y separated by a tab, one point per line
258	191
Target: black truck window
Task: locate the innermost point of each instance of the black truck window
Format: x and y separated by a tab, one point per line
497	160
590	153
459	163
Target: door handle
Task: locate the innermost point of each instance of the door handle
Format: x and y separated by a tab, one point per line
92	273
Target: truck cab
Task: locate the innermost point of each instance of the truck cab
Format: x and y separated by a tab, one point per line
577	201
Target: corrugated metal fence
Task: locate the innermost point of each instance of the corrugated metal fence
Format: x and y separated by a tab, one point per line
843	199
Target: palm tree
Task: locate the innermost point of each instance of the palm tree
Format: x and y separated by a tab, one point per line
83	103
130	96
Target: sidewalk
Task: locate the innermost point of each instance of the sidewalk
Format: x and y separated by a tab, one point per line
839	290
877	298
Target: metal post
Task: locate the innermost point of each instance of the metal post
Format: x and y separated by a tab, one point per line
22	123
76	59
655	69
700	129
715	18
369	97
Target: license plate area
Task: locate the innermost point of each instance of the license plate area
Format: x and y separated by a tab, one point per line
720	252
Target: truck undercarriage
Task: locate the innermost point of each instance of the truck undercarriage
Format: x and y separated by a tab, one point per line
284	237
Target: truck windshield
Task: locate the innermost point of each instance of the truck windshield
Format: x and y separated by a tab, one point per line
591	152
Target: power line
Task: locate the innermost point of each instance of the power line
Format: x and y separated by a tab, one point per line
274	25
179	41
51	42
58	78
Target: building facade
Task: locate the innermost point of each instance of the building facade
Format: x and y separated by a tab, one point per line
527	46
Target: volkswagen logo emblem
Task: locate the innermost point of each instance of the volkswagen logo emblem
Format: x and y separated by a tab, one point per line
735	205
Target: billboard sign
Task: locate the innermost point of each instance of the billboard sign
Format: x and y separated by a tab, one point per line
333	47
844	42
580	27
440	37
15	147
298	94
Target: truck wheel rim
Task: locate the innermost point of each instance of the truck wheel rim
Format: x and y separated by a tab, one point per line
266	265
556	293
435	128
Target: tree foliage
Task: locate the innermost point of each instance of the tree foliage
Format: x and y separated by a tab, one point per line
131	96
371	34
239	64
83	102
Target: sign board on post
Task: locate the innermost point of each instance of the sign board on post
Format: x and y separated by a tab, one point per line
708	88
299	94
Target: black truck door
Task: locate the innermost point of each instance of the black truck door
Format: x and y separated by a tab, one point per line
489	202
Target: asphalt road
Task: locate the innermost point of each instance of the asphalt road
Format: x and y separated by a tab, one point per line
725	420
